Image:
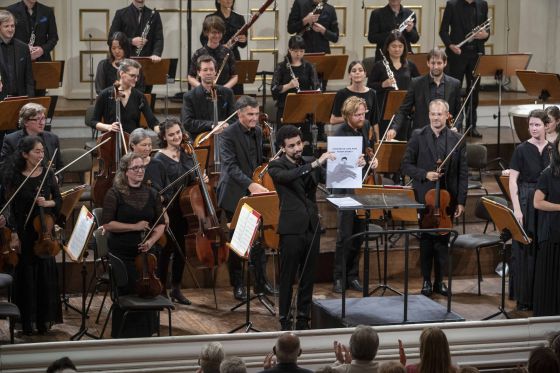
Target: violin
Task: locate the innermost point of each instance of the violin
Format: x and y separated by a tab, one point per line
8	255
437	202
148	284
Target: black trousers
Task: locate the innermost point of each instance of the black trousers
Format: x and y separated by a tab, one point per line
179	228
460	66
298	255
433	250
348	224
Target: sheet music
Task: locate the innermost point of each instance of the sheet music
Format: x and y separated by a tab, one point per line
344	171
344	201
245	230
80	234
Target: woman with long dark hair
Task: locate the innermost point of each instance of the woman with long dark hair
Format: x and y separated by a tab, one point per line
554	125
435	356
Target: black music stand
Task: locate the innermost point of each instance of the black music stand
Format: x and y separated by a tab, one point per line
542	86
501	66
509	228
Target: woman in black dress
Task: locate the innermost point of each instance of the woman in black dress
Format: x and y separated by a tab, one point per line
529	159
357	87
546	296
176	161
140	142
130	209
395	52
36	290
133	103
107	69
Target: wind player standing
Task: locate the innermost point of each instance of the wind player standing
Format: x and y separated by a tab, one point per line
426	146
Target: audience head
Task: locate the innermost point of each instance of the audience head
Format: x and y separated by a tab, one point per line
555	338
32	117
233	365
364	343
62	365
392	367
211	357
543	360
435	356
119	46
287	348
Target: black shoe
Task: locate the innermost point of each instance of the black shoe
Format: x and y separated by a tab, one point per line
239	293
426	288
337	286
475	133
178	297
441	288
285	324
355	285
523	307
265	288
302	324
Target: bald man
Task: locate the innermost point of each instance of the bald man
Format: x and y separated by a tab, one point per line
283	358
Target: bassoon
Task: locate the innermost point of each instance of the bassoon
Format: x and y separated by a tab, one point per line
233	40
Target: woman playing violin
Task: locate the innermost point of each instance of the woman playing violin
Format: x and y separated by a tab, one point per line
130	209
36	290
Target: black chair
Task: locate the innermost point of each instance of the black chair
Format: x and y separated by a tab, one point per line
478	241
8	310
132	303
101	272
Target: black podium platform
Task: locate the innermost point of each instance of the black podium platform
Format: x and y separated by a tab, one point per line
386	310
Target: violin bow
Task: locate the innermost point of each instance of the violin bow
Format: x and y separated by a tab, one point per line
146	235
209	134
459	143
378	147
19	188
81	156
179	179
465	102
118	96
49	166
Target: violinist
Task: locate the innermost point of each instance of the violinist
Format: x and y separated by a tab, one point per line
130	209
241	153
354	111
132	103
214	28
175	161
36	291
426	146
32	120
197	112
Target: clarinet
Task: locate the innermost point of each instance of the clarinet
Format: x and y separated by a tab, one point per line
317	10
32	38
390	74
145	32
404	23
289	67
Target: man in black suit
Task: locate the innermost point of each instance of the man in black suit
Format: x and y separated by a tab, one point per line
298	225
283	358
15	60
241	153
422	91
460	17
318	30
426	146
133	20
385	20
33	18
197	113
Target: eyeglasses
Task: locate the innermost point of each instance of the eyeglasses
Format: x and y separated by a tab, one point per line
133	76
137	168
40	119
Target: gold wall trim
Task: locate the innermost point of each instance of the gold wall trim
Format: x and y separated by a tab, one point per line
107	25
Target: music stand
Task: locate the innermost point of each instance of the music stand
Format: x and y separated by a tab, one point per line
267	205
543	86
419	59
10	110
509	228
389	156
48	74
500	66
329	66
246	71
393	101
154	72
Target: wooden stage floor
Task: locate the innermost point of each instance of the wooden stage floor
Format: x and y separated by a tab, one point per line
203	318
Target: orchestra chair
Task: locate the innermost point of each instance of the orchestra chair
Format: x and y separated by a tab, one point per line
130	303
80	169
368	63
478	241
8	310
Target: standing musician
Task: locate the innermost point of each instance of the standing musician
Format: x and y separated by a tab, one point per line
354	112
528	161
36	27
296	182
32	120
426	146
175	161
241	153
132	104
15	61
133	21
425	89
460	17
36	290
554	125
383	21
233	22
358	88
197	111
214	28
107	69
402	70
318	29
130	209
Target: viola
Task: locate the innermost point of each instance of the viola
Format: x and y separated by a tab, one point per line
148	284
437	202
8	255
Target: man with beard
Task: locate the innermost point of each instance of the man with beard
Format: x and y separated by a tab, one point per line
298	225
354	111
423	90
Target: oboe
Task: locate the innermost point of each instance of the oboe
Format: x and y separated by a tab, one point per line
145	32
390	74
404	23
289	67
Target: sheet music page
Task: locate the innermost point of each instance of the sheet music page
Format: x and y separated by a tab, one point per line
80	234
247	225
344	171
344	201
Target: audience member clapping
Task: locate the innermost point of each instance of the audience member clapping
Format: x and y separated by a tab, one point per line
435	356
233	365
211	357
364	343
543	360
283	358
392	367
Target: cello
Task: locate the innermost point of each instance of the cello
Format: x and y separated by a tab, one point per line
260	175
110	153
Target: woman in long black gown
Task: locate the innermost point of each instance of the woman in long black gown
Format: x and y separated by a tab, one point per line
529	159
36	290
